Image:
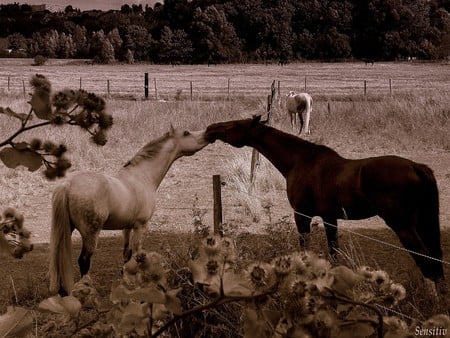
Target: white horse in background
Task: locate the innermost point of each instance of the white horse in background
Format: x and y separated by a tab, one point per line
300	104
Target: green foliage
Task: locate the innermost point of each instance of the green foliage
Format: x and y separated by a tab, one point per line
78	108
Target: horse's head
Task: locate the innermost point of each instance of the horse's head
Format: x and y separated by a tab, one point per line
188	142
291	93
235	133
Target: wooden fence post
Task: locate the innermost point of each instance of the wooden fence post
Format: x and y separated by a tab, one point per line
156	89
80	82
107	87
390	86
191	89
305	83
9	80
217	195
228	87
23	86
365	87
146	85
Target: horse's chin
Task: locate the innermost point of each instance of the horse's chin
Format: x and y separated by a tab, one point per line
210	138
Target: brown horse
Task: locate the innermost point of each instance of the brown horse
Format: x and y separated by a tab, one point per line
320	182
92	201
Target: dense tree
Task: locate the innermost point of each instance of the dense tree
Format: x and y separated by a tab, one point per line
174	47
102	48
214	38
237	30
116	42
139	41
17	42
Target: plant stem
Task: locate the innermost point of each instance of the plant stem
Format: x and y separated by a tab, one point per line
21	130
216	302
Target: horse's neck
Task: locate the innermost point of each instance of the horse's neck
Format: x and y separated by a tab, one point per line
276	146
151	171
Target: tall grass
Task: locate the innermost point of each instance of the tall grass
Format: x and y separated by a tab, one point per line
354	125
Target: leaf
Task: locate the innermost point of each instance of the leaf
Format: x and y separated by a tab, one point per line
134	319
12	158
234	286
255	325
173	303
8	111
68	306
199	272
345	280
15	322
148	295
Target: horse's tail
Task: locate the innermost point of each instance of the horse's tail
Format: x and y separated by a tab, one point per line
428	223
60	270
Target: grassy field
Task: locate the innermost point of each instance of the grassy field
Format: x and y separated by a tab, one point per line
407	123
244	80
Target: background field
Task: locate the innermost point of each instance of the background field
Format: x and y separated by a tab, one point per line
412	122
245	80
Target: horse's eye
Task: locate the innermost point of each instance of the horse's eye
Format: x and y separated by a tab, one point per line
186	133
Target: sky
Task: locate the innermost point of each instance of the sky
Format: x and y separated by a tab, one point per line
104	5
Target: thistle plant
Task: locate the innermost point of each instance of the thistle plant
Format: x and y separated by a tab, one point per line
67	107
14	237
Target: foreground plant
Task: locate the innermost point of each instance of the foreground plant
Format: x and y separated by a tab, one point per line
67	107
295	295
14	237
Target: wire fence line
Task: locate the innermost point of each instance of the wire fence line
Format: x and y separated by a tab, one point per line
212	83
362	235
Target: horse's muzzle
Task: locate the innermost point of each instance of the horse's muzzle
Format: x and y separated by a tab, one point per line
210	135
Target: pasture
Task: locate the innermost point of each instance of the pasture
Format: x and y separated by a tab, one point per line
413	122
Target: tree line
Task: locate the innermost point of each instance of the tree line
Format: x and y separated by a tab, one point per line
211	31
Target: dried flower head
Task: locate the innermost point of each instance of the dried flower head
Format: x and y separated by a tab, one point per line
282	265
398	291
260	276
380	278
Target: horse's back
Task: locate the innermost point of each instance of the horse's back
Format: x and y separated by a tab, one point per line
103	201
394	184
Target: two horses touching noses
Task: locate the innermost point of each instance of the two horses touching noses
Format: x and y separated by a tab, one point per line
319	182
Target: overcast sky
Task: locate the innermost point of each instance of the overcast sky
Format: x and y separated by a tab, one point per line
104	5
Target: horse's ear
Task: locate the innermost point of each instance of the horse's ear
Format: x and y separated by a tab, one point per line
266	120
172	129
256	119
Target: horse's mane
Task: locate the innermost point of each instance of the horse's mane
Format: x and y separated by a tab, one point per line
148	151
295	142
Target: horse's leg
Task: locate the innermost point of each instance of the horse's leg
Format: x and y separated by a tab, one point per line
293	121
304	229
300	117
412	242
331	231
127	252
89	245
136	238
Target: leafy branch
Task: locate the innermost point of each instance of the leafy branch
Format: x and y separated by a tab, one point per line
67	107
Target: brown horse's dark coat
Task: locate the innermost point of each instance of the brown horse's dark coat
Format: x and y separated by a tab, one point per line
322	183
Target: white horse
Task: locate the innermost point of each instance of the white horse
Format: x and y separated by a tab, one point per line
92	201
300	104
